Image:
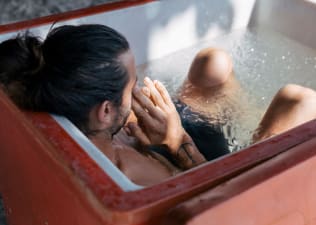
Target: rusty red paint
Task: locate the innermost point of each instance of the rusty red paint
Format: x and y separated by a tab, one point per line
279	191
34	183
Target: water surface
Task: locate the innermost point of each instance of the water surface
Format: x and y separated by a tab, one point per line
264	61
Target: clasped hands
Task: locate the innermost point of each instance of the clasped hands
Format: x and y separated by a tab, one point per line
158	122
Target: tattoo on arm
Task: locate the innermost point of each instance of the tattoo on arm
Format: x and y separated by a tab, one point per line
188	156
183	148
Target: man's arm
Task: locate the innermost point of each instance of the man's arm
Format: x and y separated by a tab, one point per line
187	155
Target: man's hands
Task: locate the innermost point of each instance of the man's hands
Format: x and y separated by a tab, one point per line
158	120
158	123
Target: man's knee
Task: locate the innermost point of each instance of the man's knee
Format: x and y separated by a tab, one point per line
296	93
211	67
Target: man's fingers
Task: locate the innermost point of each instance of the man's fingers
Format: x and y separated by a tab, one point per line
140	111
138	133
154	93
144	105
127	130
146	91
163	92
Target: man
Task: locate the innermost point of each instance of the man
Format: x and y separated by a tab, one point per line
87	74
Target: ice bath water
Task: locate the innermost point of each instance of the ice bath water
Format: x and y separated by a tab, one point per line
264	61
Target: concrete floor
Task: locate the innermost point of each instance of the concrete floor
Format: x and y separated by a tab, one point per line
18	10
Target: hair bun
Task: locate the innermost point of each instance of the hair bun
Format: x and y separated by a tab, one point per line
21	61
34	59
21	58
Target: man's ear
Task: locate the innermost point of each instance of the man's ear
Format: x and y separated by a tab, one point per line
106	113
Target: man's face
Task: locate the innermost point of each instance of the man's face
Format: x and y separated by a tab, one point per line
124	110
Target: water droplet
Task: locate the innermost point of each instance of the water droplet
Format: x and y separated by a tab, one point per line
45	223
288	67
288	53
265	54
283	57
315	66
263	61
252	49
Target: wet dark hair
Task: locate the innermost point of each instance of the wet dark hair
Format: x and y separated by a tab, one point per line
72	70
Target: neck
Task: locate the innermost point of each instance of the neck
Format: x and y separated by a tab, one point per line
104	143
99	134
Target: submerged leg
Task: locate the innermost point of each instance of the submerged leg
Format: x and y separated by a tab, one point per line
292	105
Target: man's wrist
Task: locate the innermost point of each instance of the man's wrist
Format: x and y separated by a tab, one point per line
183	149
187	155
175	146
